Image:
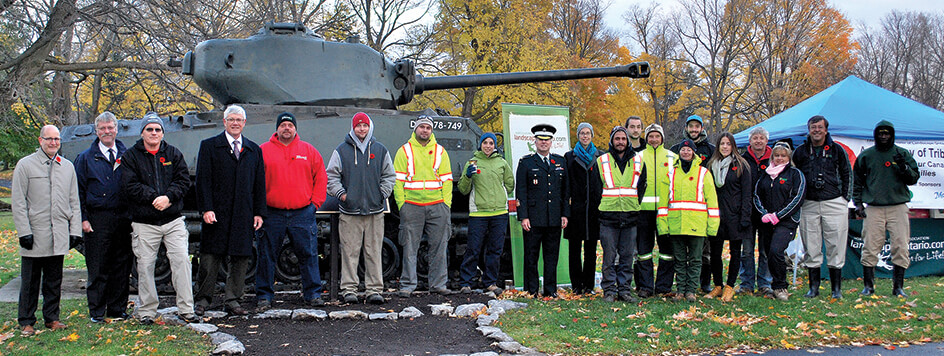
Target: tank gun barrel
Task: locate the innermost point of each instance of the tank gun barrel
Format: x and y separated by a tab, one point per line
632	70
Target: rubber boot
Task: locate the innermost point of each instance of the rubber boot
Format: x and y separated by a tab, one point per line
835	279
868	280
814	282
898	282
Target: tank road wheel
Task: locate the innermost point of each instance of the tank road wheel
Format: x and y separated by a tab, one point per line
250	269
286	267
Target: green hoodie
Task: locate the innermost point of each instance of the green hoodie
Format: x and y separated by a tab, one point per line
489	187
880	179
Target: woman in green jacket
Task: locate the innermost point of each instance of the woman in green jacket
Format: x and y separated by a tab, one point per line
488	181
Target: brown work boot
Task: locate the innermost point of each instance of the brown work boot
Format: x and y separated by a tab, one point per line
714	292
728	294
27	331
55	325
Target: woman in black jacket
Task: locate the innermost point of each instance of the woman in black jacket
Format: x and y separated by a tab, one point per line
733	183
778	197
583	227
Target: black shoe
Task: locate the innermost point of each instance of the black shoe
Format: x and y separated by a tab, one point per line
628	297
442	291
199	309
644	293
707	288
191	318
315	302
898	282
609	298
146	320
868	281
263	305
835	279
350	298
815	279
117	317
375	298
237	310
97	320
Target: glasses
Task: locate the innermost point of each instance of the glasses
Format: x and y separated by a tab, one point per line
154	129
51	139
234	120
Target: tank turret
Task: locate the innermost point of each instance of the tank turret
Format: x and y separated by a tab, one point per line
285	64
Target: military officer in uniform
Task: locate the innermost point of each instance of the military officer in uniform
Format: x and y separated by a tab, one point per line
542	193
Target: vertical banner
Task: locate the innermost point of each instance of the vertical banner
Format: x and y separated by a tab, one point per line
929	192
518	120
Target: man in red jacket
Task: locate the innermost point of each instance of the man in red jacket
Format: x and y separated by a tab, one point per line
296	185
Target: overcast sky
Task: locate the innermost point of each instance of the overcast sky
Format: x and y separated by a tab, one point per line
857	11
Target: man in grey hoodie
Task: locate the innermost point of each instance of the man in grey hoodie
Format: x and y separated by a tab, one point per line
360	174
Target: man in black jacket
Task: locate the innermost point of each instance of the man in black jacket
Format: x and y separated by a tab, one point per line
155	179
541	187
824	216
232	198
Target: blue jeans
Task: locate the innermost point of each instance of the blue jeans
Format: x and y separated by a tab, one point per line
748	276
486	237
302	231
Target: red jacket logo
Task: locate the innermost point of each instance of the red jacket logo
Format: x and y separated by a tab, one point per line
301	157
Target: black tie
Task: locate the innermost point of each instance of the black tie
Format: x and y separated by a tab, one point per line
111	155
236	148
546	163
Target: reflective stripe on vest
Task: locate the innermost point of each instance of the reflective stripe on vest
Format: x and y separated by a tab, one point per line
411	170
611	190
699	203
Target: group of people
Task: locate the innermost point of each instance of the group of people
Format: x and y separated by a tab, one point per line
694	197
633	195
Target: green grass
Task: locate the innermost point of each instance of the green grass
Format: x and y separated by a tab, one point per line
84	338
655	326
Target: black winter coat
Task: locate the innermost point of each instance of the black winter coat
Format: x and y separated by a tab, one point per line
735	201
144	177
782	195
234	190
827	170
586	189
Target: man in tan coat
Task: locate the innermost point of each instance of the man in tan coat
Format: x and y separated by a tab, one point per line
48	219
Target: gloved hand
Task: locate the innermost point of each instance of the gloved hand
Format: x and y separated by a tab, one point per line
470	171
74	241
770	218
26	242
860	209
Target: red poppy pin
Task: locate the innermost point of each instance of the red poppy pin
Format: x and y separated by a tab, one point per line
691	178
430	151
478	171
826	148
763	166
162	159
118	161
552	161
371	156
888	164
734	168
59	159
666	164
782	181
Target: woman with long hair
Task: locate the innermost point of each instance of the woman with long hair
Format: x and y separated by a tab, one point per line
583	228
778	197
733	184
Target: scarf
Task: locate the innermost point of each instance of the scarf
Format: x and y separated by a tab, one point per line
586	154
686	165
719	168
774	171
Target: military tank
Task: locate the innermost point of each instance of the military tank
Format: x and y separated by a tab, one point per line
287	68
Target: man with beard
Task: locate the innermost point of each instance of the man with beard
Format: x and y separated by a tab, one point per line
882	175
658	162
694	130
623	175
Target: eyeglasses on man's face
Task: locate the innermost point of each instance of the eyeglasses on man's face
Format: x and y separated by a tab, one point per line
51	139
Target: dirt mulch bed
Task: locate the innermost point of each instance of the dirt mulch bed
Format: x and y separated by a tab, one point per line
427	334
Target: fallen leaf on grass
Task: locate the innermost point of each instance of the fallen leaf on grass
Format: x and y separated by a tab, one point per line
890	347
912	304
73	313
284	345
170	337
73	337
787	345
5	336
831	315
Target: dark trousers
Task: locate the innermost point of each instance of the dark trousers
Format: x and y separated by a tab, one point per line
775	240
486	239
717	265
235	282
707	266
536	241
688	250
645	243
108	259
302	231
48	270
582	258
617	241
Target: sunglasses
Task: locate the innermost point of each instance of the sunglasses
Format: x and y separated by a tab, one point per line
154	129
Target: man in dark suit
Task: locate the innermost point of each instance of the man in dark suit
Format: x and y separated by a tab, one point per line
542	192
231	196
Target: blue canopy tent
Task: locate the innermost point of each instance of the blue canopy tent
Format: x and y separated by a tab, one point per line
853	107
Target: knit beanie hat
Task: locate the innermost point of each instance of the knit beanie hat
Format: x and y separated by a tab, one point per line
583	125
285	116
360	118
423	120
488	135
152	118
688	143
655	128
